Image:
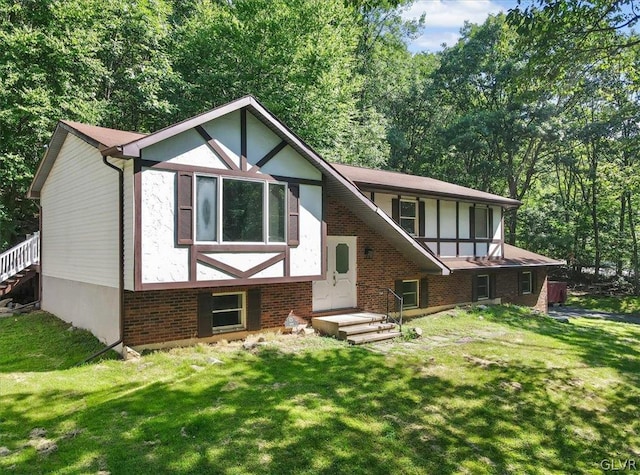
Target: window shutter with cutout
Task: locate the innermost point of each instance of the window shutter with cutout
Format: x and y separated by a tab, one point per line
185	208
424	293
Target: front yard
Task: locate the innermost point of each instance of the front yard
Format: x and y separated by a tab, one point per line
489	391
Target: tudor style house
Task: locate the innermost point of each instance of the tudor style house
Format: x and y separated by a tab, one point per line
226	222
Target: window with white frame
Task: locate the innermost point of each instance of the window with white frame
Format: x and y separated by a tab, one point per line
482	287
409	216
239	210
410	293
481	222
228	310
526	282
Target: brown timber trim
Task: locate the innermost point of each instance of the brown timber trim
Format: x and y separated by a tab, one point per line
175	167
457	228
438	226
216	148
193	265
243	139
502	231
299	181
323	238
270	154
472	229
463	240
137	232
240	247
287	261
237	272
228	282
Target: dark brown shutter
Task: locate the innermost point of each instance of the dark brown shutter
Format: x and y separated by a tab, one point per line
520	278
472	222
492	286
534	282
490	230
474	288
254	310
185	208
424	293
395	209
421	219
398	290
294	215
205	319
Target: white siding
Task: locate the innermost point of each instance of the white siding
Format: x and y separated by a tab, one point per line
162	261
80	218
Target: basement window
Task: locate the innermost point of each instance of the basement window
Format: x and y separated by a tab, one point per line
482	287
228	310
410	294
526	283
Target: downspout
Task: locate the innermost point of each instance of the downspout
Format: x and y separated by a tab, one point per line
121	257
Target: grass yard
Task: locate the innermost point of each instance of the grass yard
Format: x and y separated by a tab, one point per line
488	391
623	305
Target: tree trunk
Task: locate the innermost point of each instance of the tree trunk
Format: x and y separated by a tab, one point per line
634	248
623	202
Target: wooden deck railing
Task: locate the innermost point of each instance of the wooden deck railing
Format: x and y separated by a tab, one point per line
19	257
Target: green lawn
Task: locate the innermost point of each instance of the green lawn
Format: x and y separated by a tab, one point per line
623	305
494	391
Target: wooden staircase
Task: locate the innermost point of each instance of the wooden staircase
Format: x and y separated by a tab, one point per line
357	328
19	264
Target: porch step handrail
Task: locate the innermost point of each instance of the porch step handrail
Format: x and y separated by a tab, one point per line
20	256
400	300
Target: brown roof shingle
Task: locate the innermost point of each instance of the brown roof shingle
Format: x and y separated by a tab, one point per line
513	257
366	178
103	135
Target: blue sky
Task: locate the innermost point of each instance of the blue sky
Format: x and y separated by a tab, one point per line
444	18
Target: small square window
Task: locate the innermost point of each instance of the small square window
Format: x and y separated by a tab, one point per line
410	294
227	310
526	283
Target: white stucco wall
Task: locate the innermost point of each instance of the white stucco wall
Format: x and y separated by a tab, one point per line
162	260
186	148
306	258
260	140
289	163
447	219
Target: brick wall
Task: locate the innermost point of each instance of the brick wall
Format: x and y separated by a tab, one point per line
158	316
377	274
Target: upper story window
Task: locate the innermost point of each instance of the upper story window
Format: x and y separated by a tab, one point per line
481	222
409	216
235	210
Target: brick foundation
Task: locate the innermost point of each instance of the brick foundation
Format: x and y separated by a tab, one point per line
158	316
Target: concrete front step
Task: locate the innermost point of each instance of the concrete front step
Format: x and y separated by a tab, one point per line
377	327
362	338
331	325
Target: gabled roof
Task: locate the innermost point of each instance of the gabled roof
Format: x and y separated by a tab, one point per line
99	137
369	179
513	257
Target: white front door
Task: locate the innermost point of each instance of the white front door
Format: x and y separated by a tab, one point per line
339	289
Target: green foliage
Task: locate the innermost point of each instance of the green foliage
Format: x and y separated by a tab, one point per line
499	390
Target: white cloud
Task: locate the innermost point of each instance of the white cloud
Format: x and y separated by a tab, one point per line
444	18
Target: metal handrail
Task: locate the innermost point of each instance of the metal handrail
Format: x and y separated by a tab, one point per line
400	299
